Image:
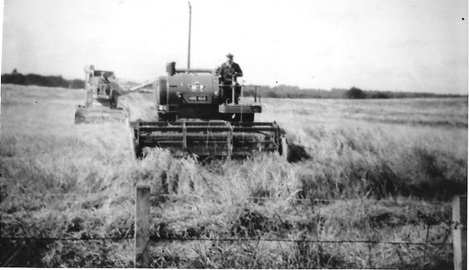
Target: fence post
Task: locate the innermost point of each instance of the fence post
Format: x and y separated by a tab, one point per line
459	232
142	226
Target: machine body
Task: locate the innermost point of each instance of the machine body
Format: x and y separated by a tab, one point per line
195	117
198	93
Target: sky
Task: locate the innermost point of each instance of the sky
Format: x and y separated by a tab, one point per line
400	45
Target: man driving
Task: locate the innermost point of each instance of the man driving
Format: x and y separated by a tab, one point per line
228	73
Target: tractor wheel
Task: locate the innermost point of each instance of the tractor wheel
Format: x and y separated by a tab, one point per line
80	115
138	151
113	100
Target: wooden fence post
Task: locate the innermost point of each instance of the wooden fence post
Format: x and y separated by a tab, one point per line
142	226
459	232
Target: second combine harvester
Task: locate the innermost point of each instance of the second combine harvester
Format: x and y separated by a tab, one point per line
194	116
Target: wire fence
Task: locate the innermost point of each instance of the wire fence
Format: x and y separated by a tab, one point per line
73	239
143	232
443	244
266	198
304	241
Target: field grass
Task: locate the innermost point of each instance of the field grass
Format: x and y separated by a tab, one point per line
387	167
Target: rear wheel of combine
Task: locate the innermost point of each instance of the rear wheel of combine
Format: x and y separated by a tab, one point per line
79	115
284	148
138	151
113	100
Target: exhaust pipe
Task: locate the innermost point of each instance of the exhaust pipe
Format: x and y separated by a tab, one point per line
189	39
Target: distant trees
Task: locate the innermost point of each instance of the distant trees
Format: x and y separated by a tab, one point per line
279	91
355	93
76	84
287	91
34	79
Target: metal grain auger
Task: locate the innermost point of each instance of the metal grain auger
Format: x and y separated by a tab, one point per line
195	117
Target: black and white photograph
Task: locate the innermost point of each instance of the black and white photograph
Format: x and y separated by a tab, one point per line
287	134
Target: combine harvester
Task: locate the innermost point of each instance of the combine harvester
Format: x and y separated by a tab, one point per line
101	98
194	117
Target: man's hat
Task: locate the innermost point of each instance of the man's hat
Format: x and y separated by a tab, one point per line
229	55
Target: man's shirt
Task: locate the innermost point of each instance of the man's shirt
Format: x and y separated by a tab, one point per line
227	71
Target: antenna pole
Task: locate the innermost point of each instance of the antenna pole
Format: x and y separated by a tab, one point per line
189	39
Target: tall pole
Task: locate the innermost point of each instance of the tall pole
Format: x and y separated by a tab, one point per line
189	40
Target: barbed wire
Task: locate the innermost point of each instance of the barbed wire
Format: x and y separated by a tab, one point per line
31	238
241	239
152	239
266	198
450	224
179	196
232	239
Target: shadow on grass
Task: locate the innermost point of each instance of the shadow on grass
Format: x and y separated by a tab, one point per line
297	153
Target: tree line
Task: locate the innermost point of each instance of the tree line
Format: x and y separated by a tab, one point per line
288	91
35	79
280	91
